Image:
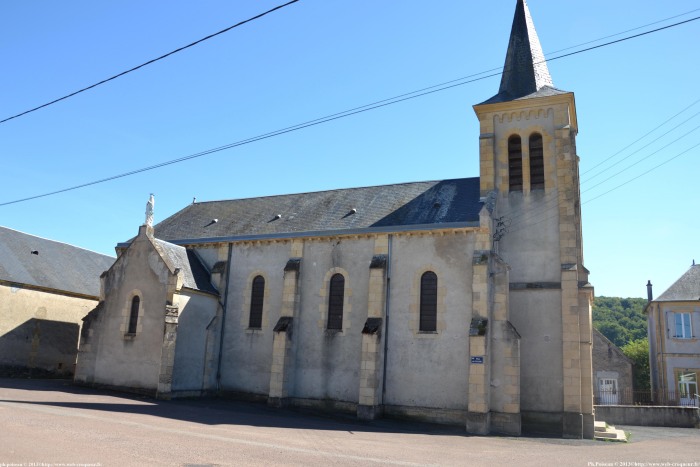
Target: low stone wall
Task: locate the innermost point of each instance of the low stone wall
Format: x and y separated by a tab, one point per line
641	415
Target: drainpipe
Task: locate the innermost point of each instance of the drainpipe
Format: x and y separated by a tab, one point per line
386	315
223	318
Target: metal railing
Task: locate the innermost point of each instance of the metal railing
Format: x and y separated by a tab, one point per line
658	397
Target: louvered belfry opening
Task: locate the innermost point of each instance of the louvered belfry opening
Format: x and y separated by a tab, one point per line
336	297
134	315
257	295
536	162
428	302
515	164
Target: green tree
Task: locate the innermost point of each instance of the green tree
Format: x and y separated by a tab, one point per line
621	320
638	352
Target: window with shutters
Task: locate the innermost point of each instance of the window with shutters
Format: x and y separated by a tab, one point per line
515	164
428	302
536	162
336	297
257	296
682	325
134	314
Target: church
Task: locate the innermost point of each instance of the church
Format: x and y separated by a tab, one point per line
461	301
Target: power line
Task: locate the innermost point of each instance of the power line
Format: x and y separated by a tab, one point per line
522	220
524	223
150	61
284	5
336	116
643	173
639	139
643	158
551	202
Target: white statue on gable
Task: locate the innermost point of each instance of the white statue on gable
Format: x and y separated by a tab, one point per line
149	210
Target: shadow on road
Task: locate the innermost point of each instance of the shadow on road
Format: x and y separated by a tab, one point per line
212	411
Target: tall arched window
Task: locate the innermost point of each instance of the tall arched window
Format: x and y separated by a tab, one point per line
336	296
257	296
515	164
134	315
536	162
428	302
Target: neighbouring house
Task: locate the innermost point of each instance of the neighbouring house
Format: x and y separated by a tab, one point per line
612	373
674	340
46	288
453	301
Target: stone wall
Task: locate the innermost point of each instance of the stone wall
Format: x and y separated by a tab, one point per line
609	363
681	417
39	329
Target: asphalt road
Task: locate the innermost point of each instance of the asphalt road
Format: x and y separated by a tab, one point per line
52	423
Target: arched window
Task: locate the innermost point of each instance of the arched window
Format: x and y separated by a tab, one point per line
536	162
428	302
336	297
134	315
515	164
257	295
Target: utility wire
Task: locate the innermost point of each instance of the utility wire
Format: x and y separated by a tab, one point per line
523	224
625	32
638	150
282	6
642	174
336	116
552	202
150	61
638	140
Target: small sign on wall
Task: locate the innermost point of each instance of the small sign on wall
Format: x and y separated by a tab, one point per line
478	360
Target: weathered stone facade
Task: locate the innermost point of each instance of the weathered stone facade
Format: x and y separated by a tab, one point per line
453	301
46	288
612	373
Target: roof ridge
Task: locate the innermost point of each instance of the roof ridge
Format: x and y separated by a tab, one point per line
331	190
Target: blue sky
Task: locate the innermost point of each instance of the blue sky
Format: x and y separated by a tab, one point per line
315	58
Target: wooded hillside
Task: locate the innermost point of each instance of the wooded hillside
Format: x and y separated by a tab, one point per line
621	320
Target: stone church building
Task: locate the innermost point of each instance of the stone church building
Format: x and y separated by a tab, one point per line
460	301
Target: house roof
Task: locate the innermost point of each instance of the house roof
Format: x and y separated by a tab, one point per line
35	261
387	207
195	275
684	289
525	71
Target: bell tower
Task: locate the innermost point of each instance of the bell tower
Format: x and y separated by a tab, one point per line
529	167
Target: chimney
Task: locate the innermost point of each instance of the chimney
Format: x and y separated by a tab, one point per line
650	295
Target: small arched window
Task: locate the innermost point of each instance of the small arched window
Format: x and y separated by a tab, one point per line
336	296
134	314
536	162
257	295
515	164
428	302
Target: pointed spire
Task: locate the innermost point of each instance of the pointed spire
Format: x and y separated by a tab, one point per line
525	70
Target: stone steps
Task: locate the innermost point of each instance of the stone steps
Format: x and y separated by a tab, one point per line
606	432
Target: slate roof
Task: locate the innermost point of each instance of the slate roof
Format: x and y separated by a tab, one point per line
684	289
387	207
525	71
195	275
57	265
